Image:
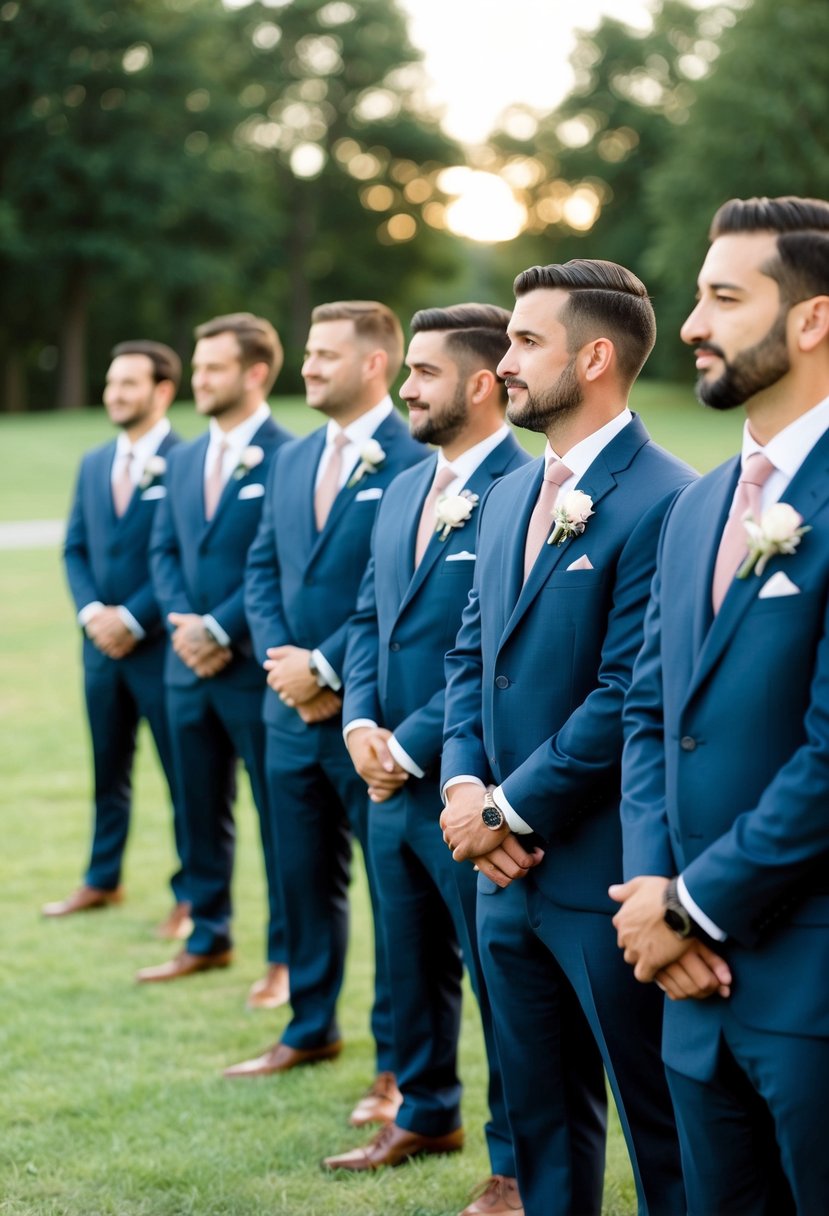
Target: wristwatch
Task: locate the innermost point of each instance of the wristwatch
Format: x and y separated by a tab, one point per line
676	915
315	671
492	815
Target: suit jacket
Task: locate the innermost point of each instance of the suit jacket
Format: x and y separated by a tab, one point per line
106	556
301	585
536	682
726	771
198	565
407	619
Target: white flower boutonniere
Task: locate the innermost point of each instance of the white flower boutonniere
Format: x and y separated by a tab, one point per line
371	457
779	531
453	511
155	467
248	460
570	517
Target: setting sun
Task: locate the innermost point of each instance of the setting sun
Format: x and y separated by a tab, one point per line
484	209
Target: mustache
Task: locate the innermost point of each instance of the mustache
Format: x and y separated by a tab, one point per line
708	348
514	382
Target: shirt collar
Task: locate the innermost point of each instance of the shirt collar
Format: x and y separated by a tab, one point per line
361	428
581	455
790	447
239	437
146	446
469	461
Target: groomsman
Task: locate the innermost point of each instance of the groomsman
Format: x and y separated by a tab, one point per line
107	566
726	765
216	487
411	600
303	575
531	766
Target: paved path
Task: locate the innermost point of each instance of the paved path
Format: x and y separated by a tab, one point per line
32	534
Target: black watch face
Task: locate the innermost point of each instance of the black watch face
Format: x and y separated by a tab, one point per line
680	923
492	817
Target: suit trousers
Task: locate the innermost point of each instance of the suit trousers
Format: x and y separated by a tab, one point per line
213	725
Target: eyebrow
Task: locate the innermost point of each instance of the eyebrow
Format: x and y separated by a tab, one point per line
422	365
525	333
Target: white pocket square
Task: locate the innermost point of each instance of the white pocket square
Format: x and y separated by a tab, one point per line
368	495
778	584
154	492
463	556
255	490
582	563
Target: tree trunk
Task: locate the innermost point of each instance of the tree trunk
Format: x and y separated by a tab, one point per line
73	388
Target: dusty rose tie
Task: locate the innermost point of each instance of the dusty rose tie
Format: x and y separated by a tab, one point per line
426	527
215	482
541	520
734	543
329	484
123	486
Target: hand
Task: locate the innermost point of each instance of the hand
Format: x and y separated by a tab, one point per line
508	861
290	676
326	704
195	646
368	748
697	974
210	666
463	829
109	634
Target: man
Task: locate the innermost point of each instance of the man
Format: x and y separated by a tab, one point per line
413	594
535	684
216	487
107	566
726	765
303	576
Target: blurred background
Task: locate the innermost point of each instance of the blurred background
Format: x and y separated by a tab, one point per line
163	161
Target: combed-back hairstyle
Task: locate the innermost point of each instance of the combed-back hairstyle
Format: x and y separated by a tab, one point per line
801	266
605	300
374	323
258	340
166	363
475	333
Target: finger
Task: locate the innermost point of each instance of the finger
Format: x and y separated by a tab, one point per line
718	965
512	846
619	891
488	868
384	757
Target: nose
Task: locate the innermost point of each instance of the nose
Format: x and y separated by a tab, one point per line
408	391
508	365
695	328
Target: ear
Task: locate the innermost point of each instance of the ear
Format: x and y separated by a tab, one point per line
811	320
255	375
376	364
596	358
479	385
164	394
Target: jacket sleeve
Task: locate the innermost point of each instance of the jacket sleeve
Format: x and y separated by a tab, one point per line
463	745
263	588
165	563
360	668
76	551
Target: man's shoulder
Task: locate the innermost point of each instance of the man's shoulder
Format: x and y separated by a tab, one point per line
669	469
101	453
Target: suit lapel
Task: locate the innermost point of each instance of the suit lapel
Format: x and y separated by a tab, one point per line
230	492
408	580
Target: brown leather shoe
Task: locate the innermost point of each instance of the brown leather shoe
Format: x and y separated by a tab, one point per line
392	1146
379	1104
84	900
178	926
282	1058
271	992
182	965
497	1196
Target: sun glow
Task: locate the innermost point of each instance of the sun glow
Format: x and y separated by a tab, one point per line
484	208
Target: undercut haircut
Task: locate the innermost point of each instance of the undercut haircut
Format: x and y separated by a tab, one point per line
801	265
476	334
605	300
374	323
258	341
166	363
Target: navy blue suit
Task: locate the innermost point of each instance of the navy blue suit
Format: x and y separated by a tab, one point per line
198	567
107	559
301	589
534	703
407	619
726	781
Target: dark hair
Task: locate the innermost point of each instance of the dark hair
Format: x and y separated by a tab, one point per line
605	299
373	322
166	363
258	340
474	332
801	266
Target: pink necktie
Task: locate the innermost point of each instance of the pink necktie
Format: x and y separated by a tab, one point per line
215	482
541	520
329	484
427	526
734	543
123	486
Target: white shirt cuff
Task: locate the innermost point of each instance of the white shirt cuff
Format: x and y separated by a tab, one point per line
355	723
697	913
88	611
213	626
130	622
402	757
327	671
465	778
514	821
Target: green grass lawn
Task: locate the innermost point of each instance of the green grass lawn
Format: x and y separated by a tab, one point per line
112	1102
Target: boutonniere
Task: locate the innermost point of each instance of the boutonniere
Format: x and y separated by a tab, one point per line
371	457
779	531
570	517
249	459
453	511
155	467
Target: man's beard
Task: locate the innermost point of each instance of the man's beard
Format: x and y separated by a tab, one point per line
539	411
749	372
442	428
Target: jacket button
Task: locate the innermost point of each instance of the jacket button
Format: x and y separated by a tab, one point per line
395	646
687	743
501	682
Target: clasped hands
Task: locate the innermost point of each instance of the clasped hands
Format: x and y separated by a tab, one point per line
370	755
295	684
196	648
682	967
109	634
497	854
